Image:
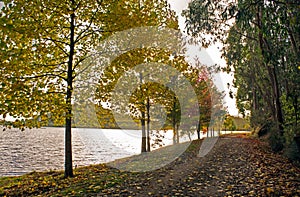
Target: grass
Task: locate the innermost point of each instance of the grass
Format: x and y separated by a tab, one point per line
237	135
150	160
87	180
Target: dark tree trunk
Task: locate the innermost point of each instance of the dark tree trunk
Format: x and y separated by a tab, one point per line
144	138
279	115
68	147
143	133
266	53
207	131
148	124
68	129
198	129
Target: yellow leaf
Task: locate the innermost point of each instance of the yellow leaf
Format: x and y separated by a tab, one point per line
270	190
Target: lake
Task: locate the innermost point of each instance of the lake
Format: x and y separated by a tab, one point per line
43	149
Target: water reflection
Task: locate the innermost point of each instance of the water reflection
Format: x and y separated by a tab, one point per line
43	149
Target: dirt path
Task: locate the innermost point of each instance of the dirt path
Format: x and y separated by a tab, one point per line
234	167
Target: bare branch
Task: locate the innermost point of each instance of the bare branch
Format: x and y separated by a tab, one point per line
56	44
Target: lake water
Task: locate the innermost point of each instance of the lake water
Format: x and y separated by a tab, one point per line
43	149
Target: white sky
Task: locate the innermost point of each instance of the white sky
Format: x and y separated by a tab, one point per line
209	56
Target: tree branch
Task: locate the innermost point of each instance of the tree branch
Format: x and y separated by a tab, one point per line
81	36
44	75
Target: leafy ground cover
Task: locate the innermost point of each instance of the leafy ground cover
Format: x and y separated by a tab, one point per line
236	166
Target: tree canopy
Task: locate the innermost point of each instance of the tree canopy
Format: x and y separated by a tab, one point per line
261	46
44	44
49	51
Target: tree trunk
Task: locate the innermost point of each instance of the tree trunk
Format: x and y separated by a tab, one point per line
177	132
143	133
68	129
144	139
266	53
207	132
68	147
254	95
279	114
198	129
174	135
174	120
148	125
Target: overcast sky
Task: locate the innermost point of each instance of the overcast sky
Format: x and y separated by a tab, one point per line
208	56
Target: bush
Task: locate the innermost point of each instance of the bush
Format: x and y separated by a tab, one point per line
276	141
265	129
292	151
297	141
292	141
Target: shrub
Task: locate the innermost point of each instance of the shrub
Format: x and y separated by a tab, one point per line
276	141
292	152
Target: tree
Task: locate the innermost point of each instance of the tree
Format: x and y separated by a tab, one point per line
125	72
43	46
127	59
210	99
229	123
50	40
124	77
261	40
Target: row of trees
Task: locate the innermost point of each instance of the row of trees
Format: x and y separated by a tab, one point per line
152	96
46	49
261	46
43	47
